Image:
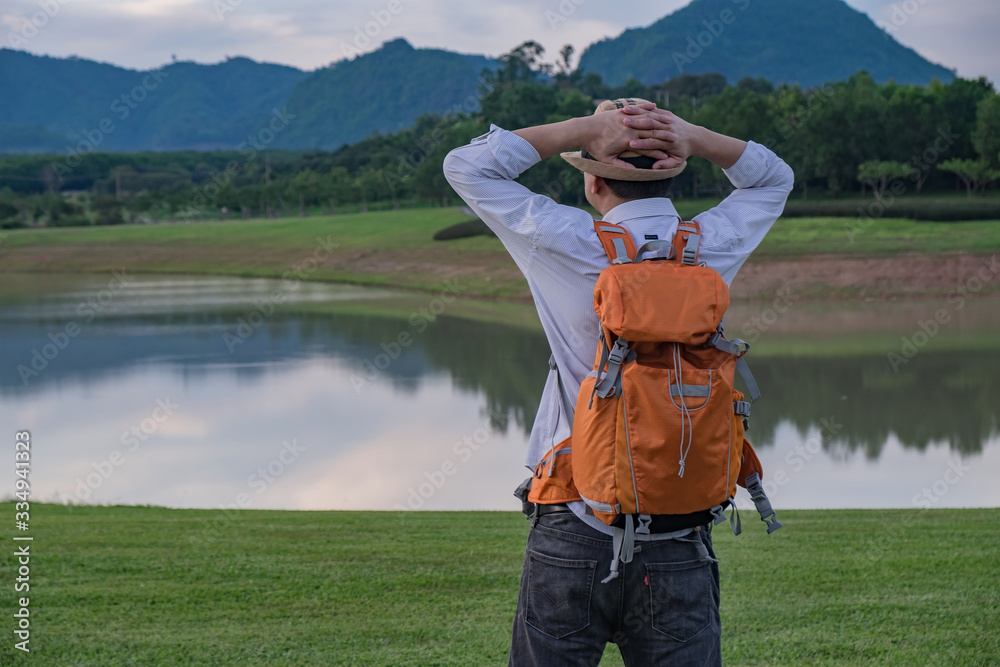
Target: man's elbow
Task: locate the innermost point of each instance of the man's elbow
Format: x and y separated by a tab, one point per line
787	177
451	166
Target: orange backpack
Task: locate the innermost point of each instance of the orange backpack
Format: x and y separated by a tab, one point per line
658	427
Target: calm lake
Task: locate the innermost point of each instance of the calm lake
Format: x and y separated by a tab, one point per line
208	393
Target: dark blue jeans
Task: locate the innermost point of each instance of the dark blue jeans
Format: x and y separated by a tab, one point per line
663	609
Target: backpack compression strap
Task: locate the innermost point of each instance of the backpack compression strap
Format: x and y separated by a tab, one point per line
617	242
620	247
687	242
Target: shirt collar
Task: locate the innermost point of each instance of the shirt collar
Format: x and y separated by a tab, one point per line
653	207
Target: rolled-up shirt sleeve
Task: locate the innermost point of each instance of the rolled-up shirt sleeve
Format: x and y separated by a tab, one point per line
763	182
483	172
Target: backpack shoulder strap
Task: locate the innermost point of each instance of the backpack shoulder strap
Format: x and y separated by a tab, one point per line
617	242
687	242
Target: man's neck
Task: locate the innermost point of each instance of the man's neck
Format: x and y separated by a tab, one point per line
609	206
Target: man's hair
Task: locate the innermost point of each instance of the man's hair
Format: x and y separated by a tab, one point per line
629	190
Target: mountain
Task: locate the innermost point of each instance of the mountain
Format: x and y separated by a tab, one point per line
186	105
64	104
809	42
63	101
383	91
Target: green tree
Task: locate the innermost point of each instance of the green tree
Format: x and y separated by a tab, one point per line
337	186
878	174
976	174
304	186
986	136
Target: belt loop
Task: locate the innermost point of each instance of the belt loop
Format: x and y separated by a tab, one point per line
534	516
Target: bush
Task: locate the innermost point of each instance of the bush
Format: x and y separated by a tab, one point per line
463	230
71	221
936	210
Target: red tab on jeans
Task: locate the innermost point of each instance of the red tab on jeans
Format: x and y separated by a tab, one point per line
645	580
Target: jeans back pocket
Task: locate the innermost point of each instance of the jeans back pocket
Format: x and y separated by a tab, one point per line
559	592
681	598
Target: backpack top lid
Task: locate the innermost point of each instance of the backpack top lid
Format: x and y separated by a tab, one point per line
660	299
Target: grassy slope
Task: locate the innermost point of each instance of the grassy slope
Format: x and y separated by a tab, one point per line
395	248
149	586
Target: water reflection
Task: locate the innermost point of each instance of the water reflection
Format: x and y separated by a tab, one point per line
353	418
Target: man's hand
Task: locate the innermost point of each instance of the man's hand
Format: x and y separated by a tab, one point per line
613	134
603	135
662	132
667	133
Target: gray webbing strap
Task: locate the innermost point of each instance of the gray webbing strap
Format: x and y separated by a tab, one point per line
621	254
692	390
742	408
616	358
690	254
734	347
623	545
718	515
567	403
734	521
652	246
761	501
600	367
744	371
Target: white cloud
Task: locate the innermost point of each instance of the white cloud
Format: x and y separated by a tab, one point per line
310	33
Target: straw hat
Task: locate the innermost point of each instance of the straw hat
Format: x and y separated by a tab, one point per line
584	161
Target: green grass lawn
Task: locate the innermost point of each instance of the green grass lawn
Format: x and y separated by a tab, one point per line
395	248
153	586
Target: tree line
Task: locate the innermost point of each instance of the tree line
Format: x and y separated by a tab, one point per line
846	137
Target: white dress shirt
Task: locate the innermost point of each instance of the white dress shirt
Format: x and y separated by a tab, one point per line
560	255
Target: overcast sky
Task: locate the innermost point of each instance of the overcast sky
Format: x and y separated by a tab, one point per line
142	34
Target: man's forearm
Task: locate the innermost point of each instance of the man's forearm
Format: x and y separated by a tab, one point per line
555	138
718	149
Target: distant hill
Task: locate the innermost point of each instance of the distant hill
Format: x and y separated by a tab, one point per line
383	91
809	42
61	101
186	105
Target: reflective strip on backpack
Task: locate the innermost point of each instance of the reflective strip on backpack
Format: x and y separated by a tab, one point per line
617	242
690	390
